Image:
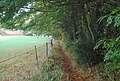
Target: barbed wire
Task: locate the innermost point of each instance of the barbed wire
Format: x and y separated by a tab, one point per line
27	52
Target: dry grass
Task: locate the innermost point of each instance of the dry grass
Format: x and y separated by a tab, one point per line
22	67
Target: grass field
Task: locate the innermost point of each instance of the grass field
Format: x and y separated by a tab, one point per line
11	46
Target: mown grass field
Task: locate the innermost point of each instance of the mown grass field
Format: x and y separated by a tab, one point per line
11	46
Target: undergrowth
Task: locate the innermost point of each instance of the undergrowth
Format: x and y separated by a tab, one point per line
49	72
111	45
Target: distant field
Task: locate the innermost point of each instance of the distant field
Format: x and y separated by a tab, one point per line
11	46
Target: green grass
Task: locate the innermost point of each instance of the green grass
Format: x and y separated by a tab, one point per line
12	46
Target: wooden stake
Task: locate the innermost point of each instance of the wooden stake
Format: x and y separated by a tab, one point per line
47	50
36	56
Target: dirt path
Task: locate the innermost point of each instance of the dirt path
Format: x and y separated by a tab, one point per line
75	73
22	67
61	58
68	66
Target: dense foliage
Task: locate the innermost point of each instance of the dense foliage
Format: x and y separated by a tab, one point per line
111	44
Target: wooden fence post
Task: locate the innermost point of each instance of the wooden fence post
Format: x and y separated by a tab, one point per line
36	56
47	50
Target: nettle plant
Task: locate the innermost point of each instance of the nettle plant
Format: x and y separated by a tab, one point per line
51	73
111	46
48	73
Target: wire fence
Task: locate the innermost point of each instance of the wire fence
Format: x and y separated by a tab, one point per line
34	50
24	64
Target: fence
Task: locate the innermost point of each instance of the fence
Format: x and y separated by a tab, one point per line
35	49
26	62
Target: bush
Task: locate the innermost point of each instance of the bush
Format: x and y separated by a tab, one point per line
111	44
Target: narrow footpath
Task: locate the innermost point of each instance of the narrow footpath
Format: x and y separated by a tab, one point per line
60	57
